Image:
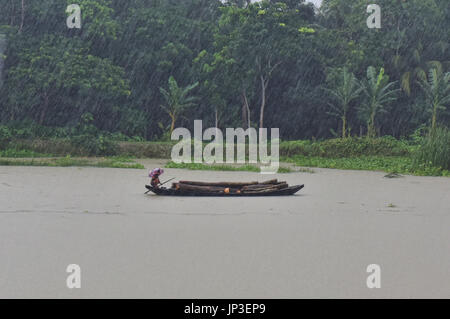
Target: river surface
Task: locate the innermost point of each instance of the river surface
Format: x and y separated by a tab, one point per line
131	245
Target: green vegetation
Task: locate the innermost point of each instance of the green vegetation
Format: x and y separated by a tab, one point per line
5	136
286	170
391	164
216	167
71	162
424	155
23	153
221	167
348	147
63	147
437	92
379	92
434	151
265	64
177	100
346	89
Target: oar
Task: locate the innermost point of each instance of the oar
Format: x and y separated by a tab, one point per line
162	184
167	181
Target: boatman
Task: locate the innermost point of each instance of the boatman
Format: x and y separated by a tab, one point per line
154	175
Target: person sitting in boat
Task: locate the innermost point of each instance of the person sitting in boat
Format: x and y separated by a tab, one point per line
154	175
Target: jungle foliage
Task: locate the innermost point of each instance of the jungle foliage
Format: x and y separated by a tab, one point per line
142	67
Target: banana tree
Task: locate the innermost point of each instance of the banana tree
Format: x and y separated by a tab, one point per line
379	92
346	91
177	100
437	92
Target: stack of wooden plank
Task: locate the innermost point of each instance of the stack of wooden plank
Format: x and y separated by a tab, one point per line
251	188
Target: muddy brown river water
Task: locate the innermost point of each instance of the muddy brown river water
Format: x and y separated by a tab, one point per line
131	245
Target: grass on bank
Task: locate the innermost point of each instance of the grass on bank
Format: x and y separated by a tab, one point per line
389	164
221	167
434	149
347	147
21	153
72	162
25	157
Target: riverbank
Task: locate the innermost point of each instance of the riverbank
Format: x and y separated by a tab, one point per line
68	161
380	154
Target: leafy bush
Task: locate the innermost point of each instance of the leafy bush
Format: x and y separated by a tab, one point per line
347	147
373	163
146	149
218	167
384	146
90	141
27	129
94	145
71	162
434	150
5	136
21	153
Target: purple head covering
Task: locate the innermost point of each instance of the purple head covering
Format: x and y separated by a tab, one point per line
156	172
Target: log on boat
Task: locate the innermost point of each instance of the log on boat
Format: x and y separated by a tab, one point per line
227	187
228	184
219	184
265	186
212	189
272	181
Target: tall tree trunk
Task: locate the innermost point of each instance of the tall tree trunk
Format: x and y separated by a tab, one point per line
172	124
263	102
344	125
265	79
44	110
244	112
246	109
434	118
13	13
216	118
22	16
371	126
249	122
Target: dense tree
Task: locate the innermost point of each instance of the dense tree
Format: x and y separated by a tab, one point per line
257	64
43	94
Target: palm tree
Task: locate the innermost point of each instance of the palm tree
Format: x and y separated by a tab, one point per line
419	74
379	91
437	92
412	68
177	100
344	93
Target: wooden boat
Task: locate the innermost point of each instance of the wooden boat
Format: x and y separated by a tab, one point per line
189	188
